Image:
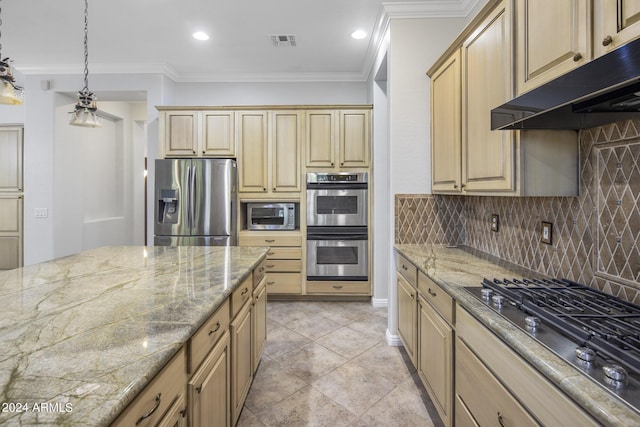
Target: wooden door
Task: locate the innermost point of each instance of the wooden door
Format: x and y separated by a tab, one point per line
252	151
553	37
241	360
407	317
615	23
218	134
321	132
180	133
488	157
354	139
445	127
286	137
259	319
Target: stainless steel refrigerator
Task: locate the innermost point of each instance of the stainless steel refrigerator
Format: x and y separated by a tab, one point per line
195	202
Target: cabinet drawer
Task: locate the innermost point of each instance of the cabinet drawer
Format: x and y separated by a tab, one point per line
241	295
284	253
284	265
259	272
284	283
157	396
438	298
208	335
408	270
270	239
359	288
484	397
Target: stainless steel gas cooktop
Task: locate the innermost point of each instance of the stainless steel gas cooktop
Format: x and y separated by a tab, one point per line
597	333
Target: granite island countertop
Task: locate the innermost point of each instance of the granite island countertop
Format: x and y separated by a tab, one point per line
455	268
81	336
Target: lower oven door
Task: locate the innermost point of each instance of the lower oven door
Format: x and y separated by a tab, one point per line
337	257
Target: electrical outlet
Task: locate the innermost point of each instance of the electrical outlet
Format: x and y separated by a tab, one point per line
546	233
495	222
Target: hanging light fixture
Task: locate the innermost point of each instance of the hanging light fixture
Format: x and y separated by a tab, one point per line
85	114
10	92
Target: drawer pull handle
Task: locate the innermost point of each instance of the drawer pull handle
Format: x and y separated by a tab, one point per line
404	267
337	286
261	270
500	420
245	291
271	283
213	331
433	294
154	409
270	253
269	240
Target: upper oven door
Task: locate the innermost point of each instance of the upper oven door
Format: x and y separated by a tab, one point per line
337	207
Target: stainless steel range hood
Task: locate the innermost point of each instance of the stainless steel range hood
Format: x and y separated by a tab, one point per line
604	90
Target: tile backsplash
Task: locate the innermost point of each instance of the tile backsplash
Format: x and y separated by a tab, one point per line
596	235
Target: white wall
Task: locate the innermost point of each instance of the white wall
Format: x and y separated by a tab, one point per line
402	151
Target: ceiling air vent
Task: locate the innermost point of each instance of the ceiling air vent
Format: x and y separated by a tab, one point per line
287	40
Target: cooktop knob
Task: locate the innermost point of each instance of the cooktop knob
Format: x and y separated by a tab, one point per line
497	300
615	374
585	354
532	322
486	293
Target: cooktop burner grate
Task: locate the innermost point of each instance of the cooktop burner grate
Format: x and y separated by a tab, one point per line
596	320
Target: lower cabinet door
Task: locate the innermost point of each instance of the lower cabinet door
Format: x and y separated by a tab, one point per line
259	319
435	359
241	362
209	389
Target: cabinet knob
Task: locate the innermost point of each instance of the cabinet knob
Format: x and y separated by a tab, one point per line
577	57
607	41
455	186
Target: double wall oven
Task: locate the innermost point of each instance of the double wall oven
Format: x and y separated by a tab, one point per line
337	226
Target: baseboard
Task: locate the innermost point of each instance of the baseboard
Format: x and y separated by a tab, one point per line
379	302
393	340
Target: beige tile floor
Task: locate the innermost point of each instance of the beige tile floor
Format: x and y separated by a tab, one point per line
328	364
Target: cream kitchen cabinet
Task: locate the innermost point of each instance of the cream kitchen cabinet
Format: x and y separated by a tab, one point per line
269	151
284	260
406	279
467	156
495	386
259	315
553	37
11	197
446	155
614	24
241	343
435	345
198	133
338	138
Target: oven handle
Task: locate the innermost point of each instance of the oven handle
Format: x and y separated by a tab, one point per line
337	237
338	186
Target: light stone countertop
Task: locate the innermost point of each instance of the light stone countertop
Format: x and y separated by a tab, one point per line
87	332
456	268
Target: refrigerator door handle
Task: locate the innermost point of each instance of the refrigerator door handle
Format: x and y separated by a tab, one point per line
192	196
188	197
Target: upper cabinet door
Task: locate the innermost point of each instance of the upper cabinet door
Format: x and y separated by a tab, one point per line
321	138
218	134
445	126
11	159
286	133
253	154
180	133
553	37
615	23
488	158
355	128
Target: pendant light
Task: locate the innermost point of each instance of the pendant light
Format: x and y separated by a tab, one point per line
85	114
10	92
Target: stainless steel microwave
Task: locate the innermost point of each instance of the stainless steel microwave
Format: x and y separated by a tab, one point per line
271	216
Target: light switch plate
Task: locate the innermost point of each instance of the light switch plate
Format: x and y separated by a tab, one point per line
41	212
495	222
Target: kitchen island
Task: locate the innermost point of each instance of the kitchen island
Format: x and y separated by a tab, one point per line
452	269
82	335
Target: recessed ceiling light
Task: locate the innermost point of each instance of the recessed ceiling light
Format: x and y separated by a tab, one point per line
359	34
199	35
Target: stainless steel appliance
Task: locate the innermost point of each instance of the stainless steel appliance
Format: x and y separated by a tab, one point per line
337	253
337	199
271	216
337	226
597	333
195	202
